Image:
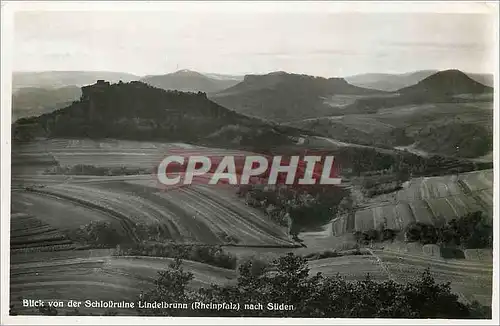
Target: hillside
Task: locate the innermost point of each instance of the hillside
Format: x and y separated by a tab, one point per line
55	79
447	86
425	200
138	111
281	96
389	82
190	81
446	83
452	129
485	79
33	101
447	114
394	82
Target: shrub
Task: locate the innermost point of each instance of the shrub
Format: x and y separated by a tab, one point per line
208	254
375	235
421	232
98	234
86	169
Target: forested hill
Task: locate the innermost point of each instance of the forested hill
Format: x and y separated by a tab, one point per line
138	111
447	83
447	86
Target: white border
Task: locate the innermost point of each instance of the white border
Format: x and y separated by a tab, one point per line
261	6
9	7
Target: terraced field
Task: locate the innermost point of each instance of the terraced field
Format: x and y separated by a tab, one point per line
44	206
189	214
28	231
424	200
57	212
193	213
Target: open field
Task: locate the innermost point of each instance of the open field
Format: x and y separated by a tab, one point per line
34	157
350	267
79	275
95	275
424	200
471	279
192	214
44	206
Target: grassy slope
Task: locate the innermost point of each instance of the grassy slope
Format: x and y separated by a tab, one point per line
420	123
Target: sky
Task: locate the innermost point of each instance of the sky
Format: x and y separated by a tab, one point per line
234	42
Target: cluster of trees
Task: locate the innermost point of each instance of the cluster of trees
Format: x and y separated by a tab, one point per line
457	139
380	234
208	254
305	208
287	280
332	253
86	169
382	184
471	231
97	234
151	232
149	240
402	164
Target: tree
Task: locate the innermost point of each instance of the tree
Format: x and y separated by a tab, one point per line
288	281
171	286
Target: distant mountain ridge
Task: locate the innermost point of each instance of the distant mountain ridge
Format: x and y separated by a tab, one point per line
447	83
223	76
277	96
389	82
57	79
282	96
189	81
394	82
34	101
446	86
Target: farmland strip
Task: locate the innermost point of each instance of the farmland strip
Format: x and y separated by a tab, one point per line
124	220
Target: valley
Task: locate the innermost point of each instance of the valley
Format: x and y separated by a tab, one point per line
88	213
46	208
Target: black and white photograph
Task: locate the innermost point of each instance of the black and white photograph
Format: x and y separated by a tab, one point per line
233	159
